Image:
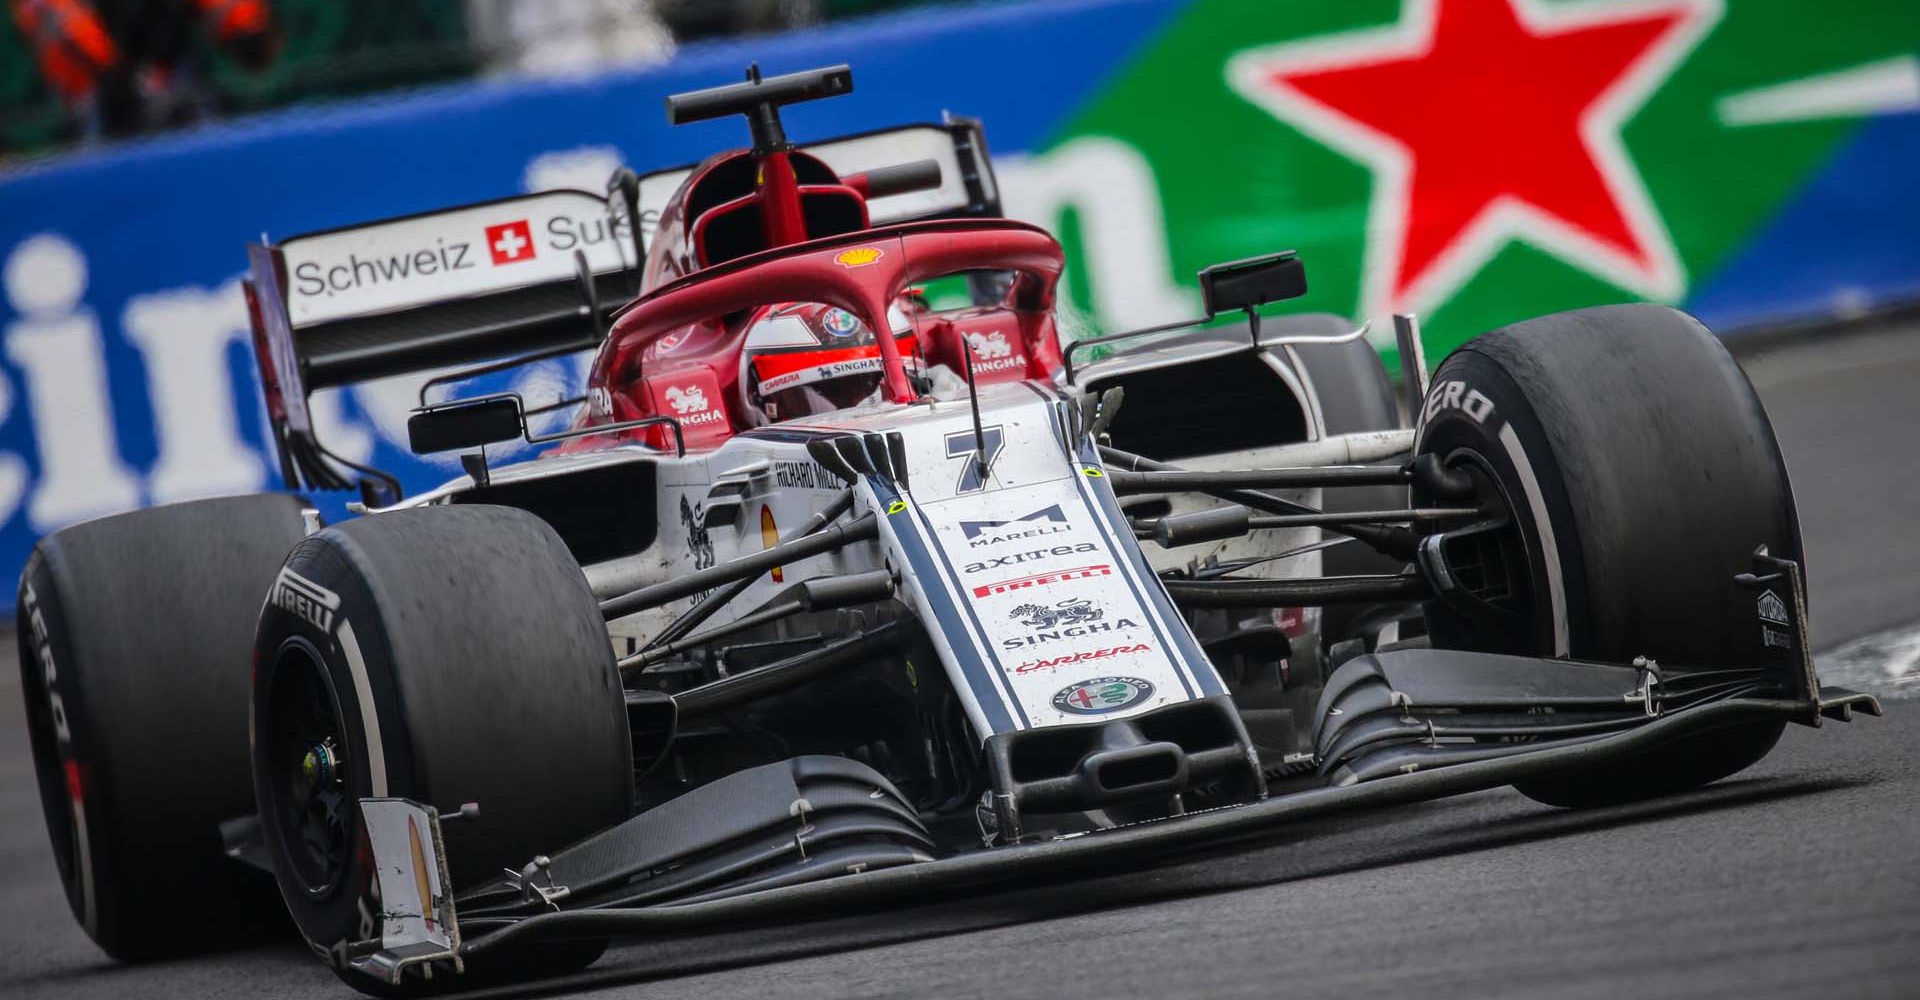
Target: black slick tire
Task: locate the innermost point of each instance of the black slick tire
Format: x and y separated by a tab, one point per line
444	654
135	632
1642	473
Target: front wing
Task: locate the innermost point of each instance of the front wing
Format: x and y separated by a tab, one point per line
1365	697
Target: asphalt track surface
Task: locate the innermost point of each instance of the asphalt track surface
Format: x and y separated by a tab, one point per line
1799	877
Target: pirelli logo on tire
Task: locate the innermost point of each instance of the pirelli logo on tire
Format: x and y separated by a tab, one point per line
1454	394
49	671
305	599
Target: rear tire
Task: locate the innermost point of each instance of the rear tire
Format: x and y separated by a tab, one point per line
1349	378
1642	473
135	632
445	654
1356	394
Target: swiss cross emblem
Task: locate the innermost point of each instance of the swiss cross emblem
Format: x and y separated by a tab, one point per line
510	242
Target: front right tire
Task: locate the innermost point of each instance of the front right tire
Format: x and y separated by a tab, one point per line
445	654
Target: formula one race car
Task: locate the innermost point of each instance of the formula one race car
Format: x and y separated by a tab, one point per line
849	583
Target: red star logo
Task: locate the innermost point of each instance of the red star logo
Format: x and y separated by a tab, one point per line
1487	121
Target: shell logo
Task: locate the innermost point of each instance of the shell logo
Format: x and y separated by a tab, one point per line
857	257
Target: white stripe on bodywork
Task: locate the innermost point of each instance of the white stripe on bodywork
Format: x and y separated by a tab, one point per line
369	720
1304	390
1549	546
1163	627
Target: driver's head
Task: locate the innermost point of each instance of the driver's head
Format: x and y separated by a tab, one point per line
807	359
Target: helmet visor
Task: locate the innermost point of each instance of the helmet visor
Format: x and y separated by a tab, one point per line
793	384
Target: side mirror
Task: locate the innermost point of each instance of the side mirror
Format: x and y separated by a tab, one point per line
468	424
1244	284
1235	285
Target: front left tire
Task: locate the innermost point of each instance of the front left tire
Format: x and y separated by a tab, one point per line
135	632
1640	474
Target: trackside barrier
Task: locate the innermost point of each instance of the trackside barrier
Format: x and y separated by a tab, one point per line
1156	136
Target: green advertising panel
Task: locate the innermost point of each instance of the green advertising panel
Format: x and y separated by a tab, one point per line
1480	161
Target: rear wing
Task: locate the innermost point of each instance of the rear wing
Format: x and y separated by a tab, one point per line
967	185
533	275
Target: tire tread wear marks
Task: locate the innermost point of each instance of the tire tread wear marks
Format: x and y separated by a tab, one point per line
1630	435
134	638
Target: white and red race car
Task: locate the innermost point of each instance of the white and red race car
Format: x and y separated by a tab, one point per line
851	580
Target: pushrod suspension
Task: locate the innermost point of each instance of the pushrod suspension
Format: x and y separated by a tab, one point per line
1296	593
861	529
699	613
1397	542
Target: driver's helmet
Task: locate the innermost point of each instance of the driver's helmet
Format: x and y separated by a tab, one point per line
806	359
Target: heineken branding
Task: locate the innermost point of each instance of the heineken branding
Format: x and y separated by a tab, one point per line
1474	161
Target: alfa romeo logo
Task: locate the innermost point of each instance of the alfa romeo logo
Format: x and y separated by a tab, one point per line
1101	695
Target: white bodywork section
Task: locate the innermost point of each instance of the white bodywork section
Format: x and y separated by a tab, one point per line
438	256
415	893
1029	582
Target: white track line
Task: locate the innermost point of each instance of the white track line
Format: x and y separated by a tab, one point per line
1885	663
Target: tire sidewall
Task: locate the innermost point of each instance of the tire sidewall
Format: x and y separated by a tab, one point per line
134	634
467	661
1474	408
65	758
1638	429
353	629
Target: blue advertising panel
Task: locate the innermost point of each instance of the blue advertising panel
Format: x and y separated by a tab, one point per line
126	370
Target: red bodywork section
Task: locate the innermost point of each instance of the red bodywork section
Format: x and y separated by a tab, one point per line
676	350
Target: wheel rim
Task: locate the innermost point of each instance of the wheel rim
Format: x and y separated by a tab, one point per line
1497	567
309	771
